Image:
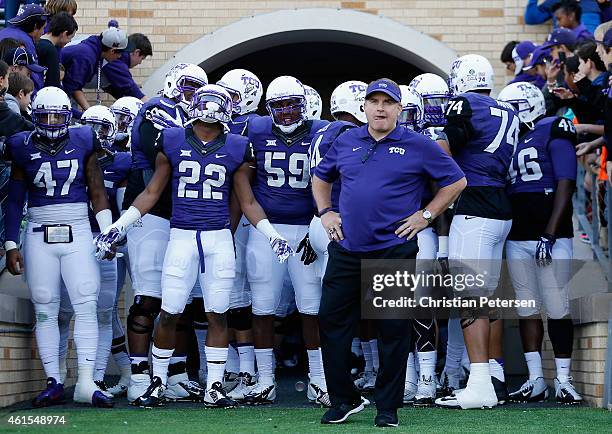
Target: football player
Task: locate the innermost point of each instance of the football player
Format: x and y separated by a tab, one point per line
246	91
412	115
435	93
125	110
315	103
482	134
147	240
57	168
539	246
282	188
201	161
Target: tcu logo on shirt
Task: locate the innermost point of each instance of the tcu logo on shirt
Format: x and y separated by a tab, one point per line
357	88
396	150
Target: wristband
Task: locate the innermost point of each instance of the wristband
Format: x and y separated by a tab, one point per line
267	229
128	218
104	219
324	211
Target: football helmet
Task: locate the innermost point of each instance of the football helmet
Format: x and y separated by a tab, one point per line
286	103
349	98
125	110
315	103
102	120
470	72
182	81
434	91
211	104
51	112
412	109
527	99
245	89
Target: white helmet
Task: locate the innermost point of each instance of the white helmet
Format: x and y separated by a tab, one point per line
434	91
315	103
102	120
470	72
245	89
527	99
184	78
211	104
412	109
286	103
349	98
125	110
51	112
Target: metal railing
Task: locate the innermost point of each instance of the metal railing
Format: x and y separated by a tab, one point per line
5	171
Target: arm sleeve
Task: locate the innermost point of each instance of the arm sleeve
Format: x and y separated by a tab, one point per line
14	209
458	127
49	58
535	14
327	169
121	81
151	141
564	160
439	166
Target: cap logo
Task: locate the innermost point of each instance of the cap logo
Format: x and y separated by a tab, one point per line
382	85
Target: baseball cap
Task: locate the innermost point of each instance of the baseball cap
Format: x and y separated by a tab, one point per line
560	36
537	57
521	52
117	39
607	39
385	85
19	56
28	11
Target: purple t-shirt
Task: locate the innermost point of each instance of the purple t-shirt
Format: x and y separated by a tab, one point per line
382	182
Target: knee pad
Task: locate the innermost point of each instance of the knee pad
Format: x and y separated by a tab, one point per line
240	318
561	333
142	314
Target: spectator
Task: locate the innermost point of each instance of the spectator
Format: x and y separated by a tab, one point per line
54	7
506	57
604	48
568	14
20	62
19	93
10	122
62	28
29	27
8	44
84	60
538	14
117	73
521	55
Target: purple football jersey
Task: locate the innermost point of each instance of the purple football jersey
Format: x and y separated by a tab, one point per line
163	113
202	177
321	143
490	135
543	156
240	123
115	169
282	186
59	178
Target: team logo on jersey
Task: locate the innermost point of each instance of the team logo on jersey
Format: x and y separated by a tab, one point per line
396	150
271	142
185	153
35	156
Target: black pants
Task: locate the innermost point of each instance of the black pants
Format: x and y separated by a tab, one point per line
339	315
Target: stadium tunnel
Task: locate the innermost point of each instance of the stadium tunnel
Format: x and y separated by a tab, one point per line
321	47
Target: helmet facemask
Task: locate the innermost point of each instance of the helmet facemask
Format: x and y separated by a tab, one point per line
287	112
434	107
411	117
51	123
210	107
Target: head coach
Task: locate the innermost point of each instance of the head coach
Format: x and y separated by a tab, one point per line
384	169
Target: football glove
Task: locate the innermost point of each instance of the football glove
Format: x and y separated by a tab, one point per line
308	253
543	255
281	248
107	240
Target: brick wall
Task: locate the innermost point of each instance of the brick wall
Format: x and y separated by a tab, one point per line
588	361
465	25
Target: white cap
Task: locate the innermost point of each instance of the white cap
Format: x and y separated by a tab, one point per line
115	38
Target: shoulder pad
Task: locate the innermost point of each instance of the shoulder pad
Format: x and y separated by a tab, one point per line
458	107
563	128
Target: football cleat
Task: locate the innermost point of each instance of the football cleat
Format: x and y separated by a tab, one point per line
215	397
245	384
261	394
426	392
501	391
102	386
565	393
139	383
410	390
181	389
119	389
531	391
52	395
474	396
317	395
153	396
366	381
230	380
88	393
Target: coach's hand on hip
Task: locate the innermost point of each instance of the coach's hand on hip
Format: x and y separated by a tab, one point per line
412	225
332	223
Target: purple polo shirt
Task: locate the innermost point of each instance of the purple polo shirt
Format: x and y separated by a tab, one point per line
382	182
121	82
81	63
